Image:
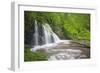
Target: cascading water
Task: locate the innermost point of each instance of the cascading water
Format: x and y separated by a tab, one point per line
36	34
50	36
47	37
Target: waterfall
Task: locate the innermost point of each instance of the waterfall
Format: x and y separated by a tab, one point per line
43	35
50	36
36	33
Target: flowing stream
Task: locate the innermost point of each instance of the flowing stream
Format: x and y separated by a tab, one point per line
45	38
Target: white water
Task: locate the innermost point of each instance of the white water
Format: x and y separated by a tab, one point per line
36	34
67	54
50	37
49	34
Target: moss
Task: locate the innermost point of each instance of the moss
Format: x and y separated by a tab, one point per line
35	56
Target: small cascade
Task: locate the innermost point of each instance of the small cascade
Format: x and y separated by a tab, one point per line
43	34
50	36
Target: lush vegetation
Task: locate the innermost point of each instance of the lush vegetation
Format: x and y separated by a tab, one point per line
34	56
74	26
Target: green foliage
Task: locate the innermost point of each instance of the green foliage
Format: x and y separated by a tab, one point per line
74	26
78	26
34	56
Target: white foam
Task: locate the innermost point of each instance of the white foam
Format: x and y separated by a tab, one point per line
50	45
